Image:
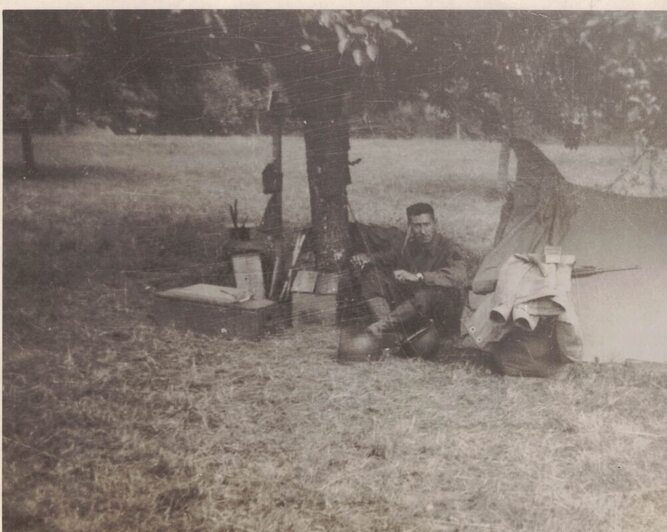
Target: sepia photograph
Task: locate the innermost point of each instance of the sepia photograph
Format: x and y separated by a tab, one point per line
334	269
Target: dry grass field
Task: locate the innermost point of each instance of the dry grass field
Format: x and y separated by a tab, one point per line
111	423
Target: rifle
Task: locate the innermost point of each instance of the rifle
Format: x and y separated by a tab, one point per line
587	271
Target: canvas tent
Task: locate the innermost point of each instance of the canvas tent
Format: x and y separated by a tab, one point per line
623	314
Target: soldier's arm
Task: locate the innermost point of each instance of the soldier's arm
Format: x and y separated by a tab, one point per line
453	274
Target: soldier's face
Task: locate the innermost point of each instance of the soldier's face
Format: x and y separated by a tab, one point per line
423	228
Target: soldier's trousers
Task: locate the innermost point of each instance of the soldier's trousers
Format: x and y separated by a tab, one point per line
412	304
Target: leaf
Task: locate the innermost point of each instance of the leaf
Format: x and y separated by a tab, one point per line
592	22
359	56
343	45
401	34
111	21
325	19
306	47
583	39
372	19
341	32
357	30
386	24
220	22
372	50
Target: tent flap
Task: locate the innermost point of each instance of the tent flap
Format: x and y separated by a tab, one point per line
603	230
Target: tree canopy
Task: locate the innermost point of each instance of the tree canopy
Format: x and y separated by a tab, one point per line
207	71
492	73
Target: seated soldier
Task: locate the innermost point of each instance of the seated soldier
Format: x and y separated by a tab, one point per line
423	280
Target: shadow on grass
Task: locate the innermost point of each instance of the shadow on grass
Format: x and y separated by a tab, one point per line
13	173
451	188
472	358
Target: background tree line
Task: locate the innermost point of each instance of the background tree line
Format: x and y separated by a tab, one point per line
156	72
490	74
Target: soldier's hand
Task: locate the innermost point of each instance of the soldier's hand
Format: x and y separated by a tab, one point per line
405	276
360	260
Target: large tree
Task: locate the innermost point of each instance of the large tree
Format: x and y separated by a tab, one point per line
485	70
321	60
134	67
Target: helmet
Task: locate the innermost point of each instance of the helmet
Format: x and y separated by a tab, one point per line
358	346
423	343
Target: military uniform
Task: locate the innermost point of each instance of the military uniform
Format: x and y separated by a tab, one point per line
439	295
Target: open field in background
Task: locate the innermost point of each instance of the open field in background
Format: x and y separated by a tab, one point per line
110	423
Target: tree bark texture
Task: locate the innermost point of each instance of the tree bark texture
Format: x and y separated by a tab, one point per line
326	136
316	85
504	163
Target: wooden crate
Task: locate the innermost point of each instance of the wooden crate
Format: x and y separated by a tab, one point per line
314	298
251	319
248	274
312	282
313	309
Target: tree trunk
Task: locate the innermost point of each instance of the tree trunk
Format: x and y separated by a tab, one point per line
326	136
277	140
316	86
507	109
273	215
26	142
652	156
504	163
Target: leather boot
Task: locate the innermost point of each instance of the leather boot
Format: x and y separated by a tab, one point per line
394	320
389	341
378	328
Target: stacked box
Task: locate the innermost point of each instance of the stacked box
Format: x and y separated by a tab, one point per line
314	298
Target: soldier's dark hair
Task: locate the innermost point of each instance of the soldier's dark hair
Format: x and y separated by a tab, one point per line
419	208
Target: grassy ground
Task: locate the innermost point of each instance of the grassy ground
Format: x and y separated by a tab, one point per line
110	423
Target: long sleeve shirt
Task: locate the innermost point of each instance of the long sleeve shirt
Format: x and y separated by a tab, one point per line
441	262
